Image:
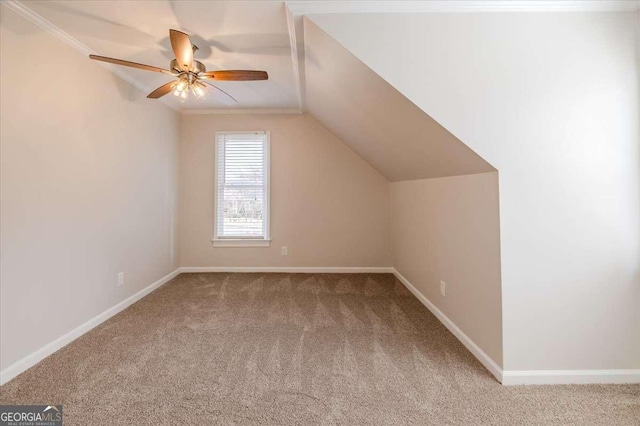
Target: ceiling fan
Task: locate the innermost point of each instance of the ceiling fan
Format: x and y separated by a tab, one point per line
192	75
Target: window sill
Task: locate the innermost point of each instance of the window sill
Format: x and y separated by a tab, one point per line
240	243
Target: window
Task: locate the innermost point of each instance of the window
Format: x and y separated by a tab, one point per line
242	189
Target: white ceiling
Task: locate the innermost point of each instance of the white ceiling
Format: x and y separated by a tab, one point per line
236	34
229	35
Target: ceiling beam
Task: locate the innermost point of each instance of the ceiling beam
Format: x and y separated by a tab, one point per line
296	39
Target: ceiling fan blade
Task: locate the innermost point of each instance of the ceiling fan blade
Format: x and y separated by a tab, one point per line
235	75
130	64
162	90
216	87
182	48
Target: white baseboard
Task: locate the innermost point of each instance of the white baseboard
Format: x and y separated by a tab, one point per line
35	357
507	377
527	377
291	269
489	363
565	377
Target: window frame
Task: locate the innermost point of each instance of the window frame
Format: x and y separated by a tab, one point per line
240	241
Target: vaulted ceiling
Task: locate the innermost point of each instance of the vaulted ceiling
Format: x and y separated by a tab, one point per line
238	34
308	69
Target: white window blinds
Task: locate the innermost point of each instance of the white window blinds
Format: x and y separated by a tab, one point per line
242	185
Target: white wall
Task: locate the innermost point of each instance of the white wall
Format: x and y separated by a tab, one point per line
88	188
449	229
328	206
550	100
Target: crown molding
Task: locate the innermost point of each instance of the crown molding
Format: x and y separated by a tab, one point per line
21	9
306	7
241	111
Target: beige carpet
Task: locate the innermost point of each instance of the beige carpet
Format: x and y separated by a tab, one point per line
293	349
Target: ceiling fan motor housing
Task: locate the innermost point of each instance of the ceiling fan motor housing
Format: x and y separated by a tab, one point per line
198	66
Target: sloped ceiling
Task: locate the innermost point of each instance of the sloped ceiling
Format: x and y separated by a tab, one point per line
386	129
374	119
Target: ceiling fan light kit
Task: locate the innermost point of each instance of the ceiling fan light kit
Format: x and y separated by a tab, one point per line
192	75
186	84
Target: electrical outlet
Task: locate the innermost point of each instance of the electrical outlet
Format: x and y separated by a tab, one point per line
284	250
120	279
443	288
